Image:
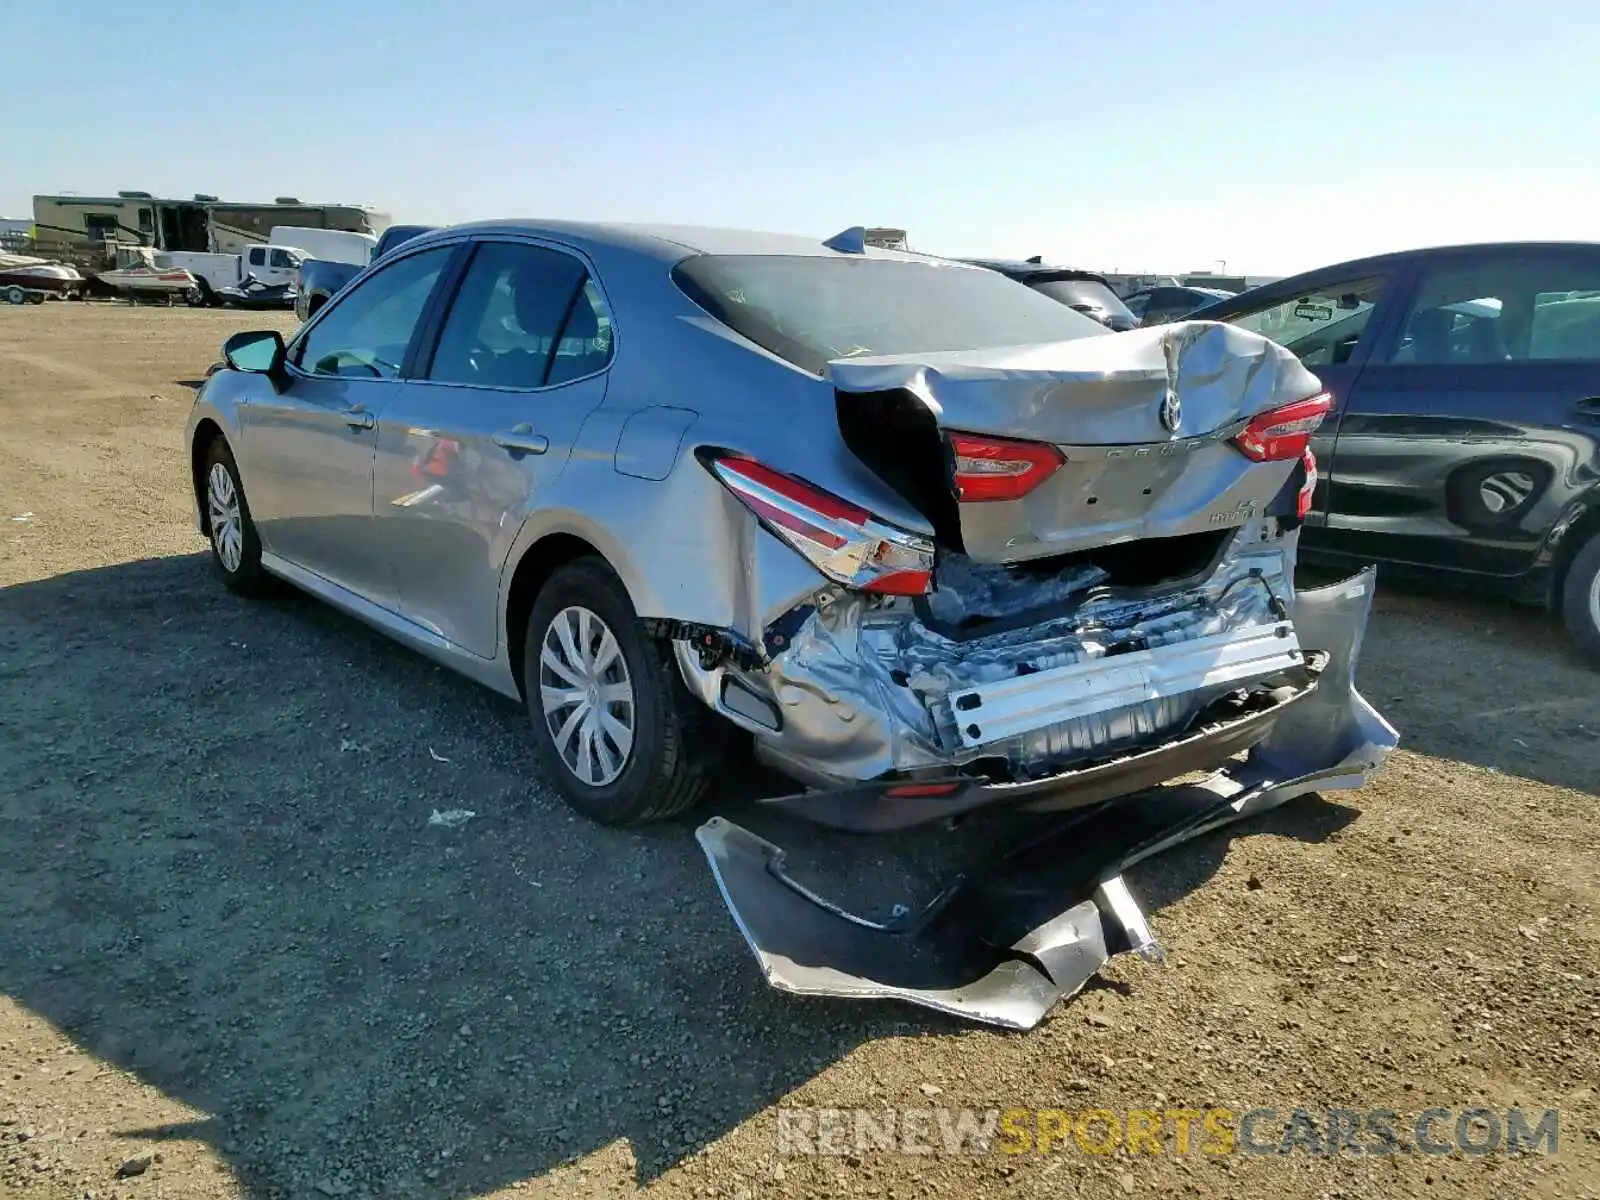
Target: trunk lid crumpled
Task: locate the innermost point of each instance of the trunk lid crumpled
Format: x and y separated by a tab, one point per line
1143	420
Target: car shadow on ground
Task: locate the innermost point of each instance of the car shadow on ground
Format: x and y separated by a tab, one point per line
226	874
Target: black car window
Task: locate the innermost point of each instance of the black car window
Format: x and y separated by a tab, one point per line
1088	296
365	334
258	256
505	325
281	259
1322	325
811	309
1137	302
1508	308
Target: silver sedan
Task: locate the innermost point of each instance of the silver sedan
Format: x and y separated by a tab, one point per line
929	541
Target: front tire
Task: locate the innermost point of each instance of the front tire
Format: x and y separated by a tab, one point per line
235	546
1580	599
613	725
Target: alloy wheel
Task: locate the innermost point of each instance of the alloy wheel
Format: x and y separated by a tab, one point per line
227	523
587	696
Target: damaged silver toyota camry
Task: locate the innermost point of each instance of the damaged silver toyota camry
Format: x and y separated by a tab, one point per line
941	549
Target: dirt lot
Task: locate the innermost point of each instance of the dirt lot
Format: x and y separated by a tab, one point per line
230	940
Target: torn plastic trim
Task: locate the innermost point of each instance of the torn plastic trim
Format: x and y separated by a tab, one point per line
1005	948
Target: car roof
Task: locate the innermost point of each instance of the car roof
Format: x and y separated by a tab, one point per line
1021	269
672	243
1381	261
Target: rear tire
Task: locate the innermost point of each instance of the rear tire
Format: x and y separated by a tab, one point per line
235	546
613	725
1580	599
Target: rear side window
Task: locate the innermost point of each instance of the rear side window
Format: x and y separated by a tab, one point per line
1322	325
810	310
365	334
1515	308
525	317
258	257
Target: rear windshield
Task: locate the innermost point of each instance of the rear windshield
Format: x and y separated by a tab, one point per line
813	309
1084	291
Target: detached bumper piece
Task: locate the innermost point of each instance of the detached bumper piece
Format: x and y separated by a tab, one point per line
1003	943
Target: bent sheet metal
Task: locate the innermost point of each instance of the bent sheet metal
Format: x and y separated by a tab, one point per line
1004	944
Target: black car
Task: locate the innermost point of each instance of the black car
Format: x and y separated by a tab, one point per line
1083	291
1158	305
1464	440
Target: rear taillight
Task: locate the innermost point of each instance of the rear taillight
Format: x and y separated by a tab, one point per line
989	468
1308	489
1284	433
842	540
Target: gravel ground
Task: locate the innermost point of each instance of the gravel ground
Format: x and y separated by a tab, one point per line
236	957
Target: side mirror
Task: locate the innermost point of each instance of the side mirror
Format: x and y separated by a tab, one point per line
260	352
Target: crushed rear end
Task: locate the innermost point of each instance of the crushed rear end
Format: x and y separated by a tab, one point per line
1106	604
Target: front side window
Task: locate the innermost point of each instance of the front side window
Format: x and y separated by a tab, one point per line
1136	304
1321	326
281	259
1509	309
365	334
810	310
523	318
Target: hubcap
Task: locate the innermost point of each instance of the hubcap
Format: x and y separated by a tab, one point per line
1594	602
586	695
222	501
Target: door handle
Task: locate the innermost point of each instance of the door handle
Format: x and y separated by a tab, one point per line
521	439
359	418
1587	409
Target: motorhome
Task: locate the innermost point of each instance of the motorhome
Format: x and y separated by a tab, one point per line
203	223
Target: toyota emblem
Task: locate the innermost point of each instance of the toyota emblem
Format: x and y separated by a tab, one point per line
1171	412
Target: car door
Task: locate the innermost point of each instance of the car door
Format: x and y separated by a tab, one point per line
1473	427
309	446
1329	321
478	436
281	266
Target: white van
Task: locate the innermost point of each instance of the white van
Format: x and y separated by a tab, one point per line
330	245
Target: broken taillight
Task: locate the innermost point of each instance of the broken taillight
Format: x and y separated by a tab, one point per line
991	468
1283	433
842	540
1308	489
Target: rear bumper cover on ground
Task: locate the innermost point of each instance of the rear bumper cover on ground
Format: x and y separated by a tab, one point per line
1004	944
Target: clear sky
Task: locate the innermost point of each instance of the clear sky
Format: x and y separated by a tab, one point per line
1125	136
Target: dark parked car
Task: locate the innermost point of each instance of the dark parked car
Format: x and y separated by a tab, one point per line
321	279
1465	434
1082	291
1158	305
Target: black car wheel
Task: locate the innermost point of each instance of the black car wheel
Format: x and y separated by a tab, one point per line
1580	599
235	547
614	727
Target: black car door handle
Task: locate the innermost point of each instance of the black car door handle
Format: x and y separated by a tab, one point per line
1587	409
521	439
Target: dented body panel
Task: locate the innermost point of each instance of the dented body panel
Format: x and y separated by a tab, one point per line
1005	943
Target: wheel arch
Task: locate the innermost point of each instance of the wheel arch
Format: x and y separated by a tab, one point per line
534	568
1577	536
206	431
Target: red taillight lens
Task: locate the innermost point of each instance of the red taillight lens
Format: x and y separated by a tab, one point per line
1284	433
988	468
842	540
1308	489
